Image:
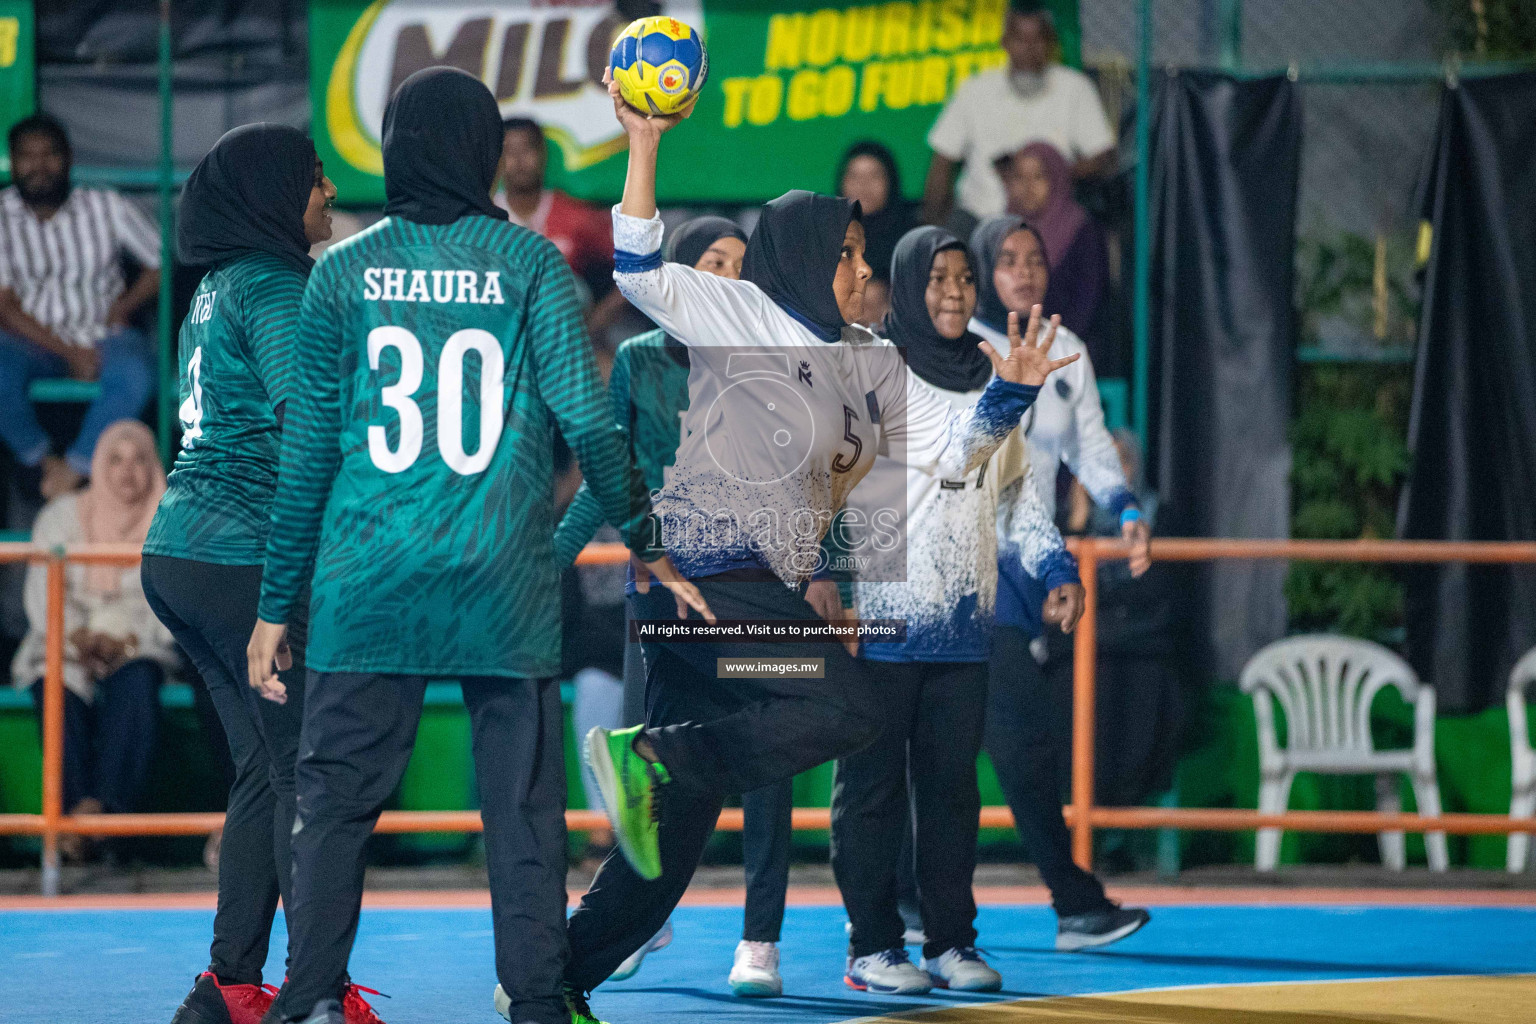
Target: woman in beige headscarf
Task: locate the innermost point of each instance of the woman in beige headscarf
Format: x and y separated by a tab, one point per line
115	651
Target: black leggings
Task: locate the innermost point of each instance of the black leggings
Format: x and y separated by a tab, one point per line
211	610
717	735
923	765
1019	740
767	833
359	731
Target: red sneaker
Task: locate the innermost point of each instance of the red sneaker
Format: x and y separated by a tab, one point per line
212	1003
356	1009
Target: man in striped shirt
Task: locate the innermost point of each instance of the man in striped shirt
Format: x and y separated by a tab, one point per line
64	305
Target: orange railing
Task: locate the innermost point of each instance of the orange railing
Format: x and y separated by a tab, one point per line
1081	814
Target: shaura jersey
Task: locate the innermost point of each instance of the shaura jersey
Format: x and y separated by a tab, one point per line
434	363
780	425
236	352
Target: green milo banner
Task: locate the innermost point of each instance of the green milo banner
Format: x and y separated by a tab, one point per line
791	85
18	70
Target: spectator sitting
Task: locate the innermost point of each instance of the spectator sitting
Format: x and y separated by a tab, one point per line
115	650
582	232
998	111
1038	184
868	173
64	307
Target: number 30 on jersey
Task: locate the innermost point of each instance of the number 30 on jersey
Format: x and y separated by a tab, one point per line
399	397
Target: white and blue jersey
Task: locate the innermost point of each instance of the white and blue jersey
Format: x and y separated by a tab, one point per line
1066	424
781	425
955	531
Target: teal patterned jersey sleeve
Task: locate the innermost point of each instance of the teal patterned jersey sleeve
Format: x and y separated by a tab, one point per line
271	305
311	450
584	516
568	379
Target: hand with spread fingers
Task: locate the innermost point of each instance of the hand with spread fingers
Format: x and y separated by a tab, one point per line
1029	357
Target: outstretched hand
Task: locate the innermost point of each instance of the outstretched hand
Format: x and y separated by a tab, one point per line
1029	357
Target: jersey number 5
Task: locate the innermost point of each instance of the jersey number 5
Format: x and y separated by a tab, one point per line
450	399
844	462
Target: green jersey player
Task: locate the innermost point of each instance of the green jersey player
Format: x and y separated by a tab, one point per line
437	352
251	210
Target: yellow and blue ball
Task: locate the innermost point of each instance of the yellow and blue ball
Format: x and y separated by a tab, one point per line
660	65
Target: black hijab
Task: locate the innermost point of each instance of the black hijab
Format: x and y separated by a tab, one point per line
442	142
954	365
884	228
793	255
249	195
986	243
688	244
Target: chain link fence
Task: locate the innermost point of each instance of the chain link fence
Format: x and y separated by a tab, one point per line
1363	143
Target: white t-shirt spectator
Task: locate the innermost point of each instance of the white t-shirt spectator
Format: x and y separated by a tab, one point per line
987	118
65	269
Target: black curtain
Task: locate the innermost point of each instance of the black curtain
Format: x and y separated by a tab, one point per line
1473	426
1225	161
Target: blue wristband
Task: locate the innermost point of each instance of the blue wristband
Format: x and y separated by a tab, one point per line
1130	515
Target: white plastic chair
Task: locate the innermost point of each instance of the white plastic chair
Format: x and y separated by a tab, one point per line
1325	686
1522	801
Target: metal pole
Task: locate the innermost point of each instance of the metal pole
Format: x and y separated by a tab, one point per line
1084	664
53	722
167	341
1143	250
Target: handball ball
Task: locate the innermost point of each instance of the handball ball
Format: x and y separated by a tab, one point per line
660	65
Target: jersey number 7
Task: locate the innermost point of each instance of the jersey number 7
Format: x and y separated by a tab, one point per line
450	399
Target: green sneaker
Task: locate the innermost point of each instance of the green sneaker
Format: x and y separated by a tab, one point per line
581	1013
628	783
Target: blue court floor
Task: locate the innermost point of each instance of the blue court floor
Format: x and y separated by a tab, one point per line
133	966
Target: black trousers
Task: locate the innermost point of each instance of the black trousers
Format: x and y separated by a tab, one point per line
1018	737
108	742
211	610
766	833
717	736
932	734
359	729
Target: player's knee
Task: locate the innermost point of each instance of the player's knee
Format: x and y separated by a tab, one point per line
860	725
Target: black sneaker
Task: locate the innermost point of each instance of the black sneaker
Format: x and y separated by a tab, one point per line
1099	928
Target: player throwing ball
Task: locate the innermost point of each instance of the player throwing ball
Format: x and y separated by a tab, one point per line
437	353
788	405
